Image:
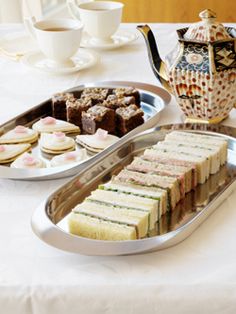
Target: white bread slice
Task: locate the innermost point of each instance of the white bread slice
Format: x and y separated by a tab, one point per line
214	157
139	190
201	163
129	217
128	201
94	228
210	140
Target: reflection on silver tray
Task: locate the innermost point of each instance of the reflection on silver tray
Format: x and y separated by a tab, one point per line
153	101
49	220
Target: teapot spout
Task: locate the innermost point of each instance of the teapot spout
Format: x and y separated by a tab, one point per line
158	66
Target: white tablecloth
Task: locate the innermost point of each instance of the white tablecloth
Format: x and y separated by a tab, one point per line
196	276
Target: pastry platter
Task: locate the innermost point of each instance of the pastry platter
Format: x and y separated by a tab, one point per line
153	101
50	219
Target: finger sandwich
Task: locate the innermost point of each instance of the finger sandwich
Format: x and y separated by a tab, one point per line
171	185
203	140
214	160
99	229
201	163
121	200
173	162
184	174
129	217
139	190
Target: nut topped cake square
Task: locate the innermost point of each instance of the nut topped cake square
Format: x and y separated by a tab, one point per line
59	105
115	101
128	118
97	95
75	107
128	91
98	117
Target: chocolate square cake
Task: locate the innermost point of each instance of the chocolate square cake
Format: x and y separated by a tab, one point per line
128	91
128	118
98	117
75	107
114	101
97	95
59	105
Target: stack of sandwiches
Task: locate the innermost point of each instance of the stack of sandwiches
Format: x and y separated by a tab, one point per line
129	206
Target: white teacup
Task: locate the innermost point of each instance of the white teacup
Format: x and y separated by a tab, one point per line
58	39
101	19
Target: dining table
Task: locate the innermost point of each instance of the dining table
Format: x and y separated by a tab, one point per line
197	275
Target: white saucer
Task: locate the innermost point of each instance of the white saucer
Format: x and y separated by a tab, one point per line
17	43
119	39
83	59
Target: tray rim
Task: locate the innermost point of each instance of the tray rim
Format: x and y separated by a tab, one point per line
49	232
70	170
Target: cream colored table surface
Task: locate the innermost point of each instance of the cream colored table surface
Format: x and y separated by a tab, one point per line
196	276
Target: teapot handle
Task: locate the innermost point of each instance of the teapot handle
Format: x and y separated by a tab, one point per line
73	9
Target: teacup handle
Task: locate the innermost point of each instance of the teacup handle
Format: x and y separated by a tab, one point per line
72	6
29	25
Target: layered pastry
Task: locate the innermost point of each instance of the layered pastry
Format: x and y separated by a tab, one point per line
10	152
59	105
28	161
128	91
114	101
128	118
50	125
98	117
74	109
75	156
97	95
20	134
98	141
56	143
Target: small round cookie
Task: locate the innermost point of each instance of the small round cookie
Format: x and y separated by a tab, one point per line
20	134
10	152
27	161
98	141
69	158
50	125
56	143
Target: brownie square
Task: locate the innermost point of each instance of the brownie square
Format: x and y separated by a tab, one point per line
97	95
128	91
98	117
75	108
59	105
128	118
114	101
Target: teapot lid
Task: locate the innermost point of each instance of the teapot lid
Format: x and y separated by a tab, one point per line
208	29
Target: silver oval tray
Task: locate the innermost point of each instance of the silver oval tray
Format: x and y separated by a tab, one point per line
153	101
49	221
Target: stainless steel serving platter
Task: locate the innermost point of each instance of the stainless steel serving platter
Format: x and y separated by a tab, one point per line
153	101
49	221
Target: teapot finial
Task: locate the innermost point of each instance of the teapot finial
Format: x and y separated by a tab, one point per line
207	15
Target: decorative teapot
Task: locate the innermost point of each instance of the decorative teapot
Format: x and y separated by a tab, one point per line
202	71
